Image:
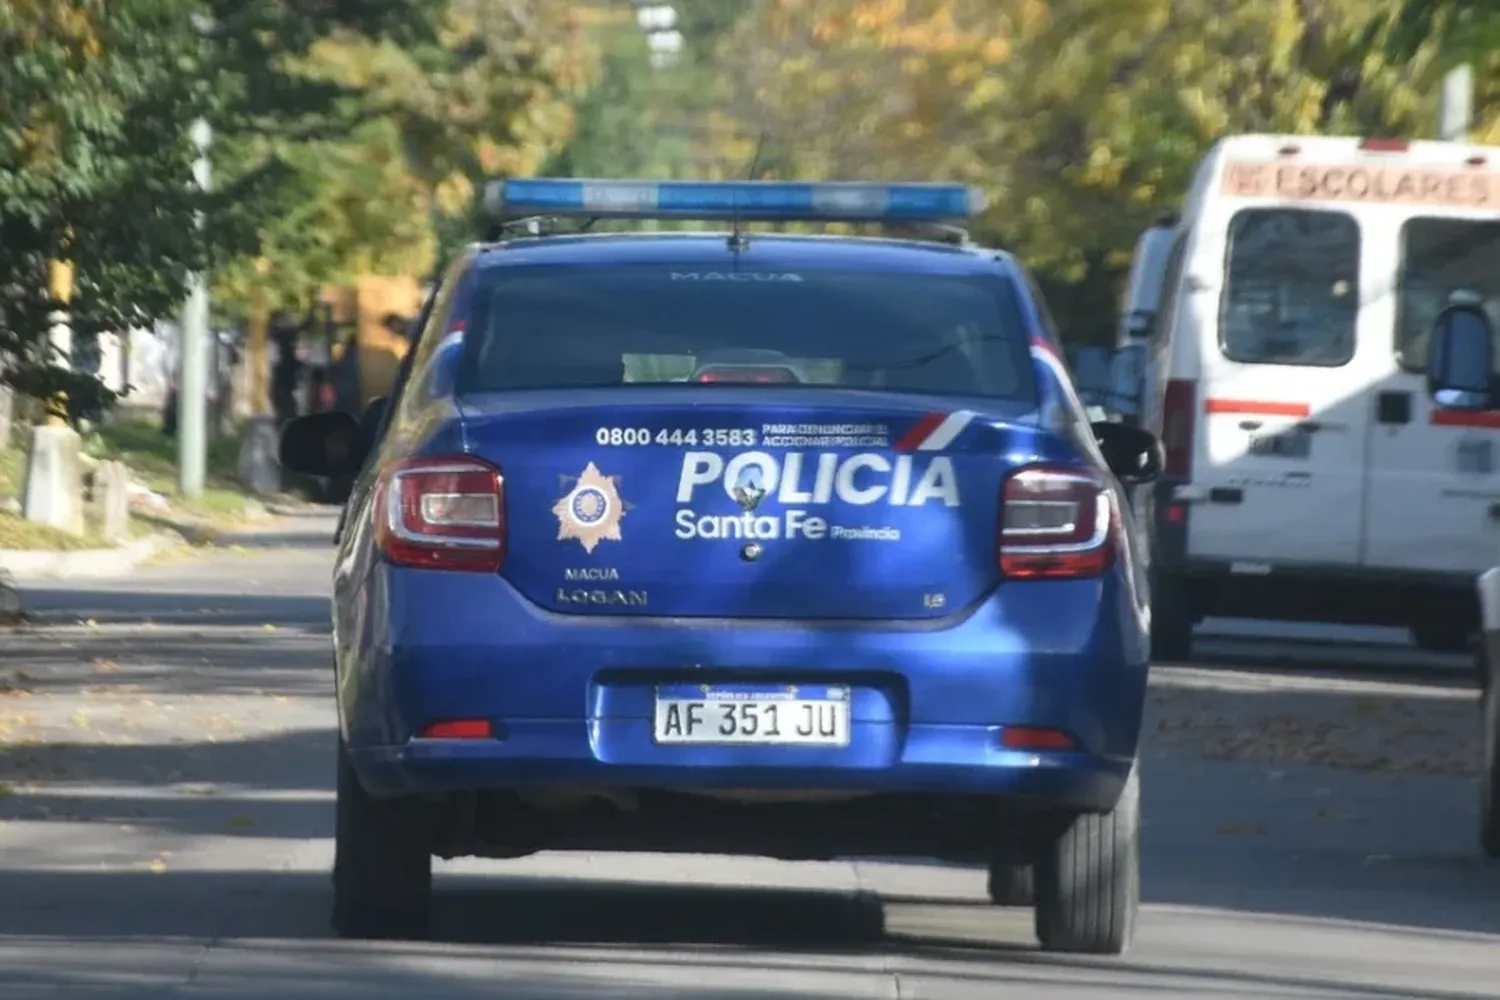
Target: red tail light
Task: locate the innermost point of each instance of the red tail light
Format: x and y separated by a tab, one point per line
1384	145
1177	418
443	513
1056	524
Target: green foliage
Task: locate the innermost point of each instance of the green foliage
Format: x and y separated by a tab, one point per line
96	169
347	135
1083	119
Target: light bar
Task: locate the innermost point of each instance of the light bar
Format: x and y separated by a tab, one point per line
750	201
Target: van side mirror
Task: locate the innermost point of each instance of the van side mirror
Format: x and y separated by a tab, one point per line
1461	359
328	444
1133	454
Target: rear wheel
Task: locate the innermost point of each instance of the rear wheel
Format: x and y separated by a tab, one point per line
1489	763
1012	884
1171	618
1088	885
382	866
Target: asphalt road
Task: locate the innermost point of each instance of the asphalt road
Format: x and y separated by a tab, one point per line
166	813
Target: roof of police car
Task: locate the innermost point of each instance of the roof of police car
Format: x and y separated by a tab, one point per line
764	251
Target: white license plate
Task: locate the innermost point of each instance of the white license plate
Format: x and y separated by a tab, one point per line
771	715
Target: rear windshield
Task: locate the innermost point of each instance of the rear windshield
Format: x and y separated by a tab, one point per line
1441	258
1291	288
544	327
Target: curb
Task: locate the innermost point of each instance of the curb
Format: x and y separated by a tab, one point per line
83	563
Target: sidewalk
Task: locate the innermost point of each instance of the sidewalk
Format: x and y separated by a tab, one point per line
271	525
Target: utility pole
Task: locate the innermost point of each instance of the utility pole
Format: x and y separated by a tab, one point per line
1456	108
193	351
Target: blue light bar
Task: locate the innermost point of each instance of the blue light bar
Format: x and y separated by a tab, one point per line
750	201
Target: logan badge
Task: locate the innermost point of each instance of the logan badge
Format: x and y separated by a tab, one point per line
590	511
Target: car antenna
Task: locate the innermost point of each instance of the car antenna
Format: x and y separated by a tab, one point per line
737	239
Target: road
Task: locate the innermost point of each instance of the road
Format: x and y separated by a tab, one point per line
166	813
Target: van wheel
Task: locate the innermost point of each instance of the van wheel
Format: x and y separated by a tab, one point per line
1088	882
1172	619
1441	637
1011	884
382	862
1489	763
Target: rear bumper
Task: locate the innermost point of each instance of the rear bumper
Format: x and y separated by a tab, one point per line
570	698
1301	591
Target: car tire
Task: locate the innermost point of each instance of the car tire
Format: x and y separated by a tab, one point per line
1489	763
1171	619
1088	883
1012	884
1442	637
382	868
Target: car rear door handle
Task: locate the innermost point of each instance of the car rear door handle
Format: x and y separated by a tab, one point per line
1393	406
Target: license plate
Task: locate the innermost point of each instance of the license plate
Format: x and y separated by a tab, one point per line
1293	444
773	715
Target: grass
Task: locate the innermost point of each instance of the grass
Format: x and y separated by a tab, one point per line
12	470
18	533
152	459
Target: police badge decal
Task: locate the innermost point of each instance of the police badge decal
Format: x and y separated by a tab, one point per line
591	509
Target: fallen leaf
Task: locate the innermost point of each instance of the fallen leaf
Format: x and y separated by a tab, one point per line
1241	830
157	866
240	822
269	627
1334	814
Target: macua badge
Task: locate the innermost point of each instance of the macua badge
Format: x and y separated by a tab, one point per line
590	511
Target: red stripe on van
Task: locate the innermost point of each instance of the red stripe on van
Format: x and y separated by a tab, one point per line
1257	407
1462	418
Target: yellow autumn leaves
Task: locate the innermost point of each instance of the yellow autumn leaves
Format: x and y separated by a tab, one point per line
1082	118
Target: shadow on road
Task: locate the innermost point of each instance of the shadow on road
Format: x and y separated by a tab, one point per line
275	938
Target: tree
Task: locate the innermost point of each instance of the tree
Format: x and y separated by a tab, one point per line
95	170
480	89
1083	119
96	99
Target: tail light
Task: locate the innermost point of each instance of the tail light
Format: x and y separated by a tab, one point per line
1177	420
1056	524
443	513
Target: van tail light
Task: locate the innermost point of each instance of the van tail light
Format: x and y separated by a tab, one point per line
1057	524
442	513
1177	421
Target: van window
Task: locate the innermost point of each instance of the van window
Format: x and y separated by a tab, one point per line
1291	288
1440	257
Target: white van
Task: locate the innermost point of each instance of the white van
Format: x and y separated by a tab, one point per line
1309	477
1143	286
1130	379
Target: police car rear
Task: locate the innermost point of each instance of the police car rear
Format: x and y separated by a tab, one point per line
791	546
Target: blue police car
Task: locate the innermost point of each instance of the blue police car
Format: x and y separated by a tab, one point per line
737	542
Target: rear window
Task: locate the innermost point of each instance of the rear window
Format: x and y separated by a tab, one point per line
544	327
1441	257
1291	288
